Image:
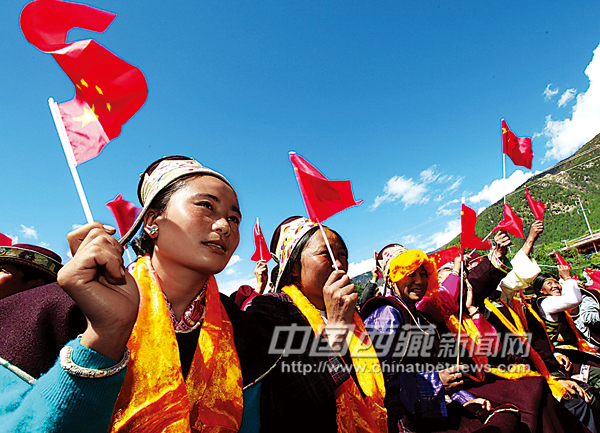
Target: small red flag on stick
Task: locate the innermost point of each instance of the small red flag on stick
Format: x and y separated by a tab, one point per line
560	260
5	241
468	238
511	223
517	148
322	197
445	256
537	207
125	213
261	250
108	90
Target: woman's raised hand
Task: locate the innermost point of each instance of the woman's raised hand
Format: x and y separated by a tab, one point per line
340	298
106	293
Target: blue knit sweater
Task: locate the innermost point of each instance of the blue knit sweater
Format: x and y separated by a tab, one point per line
60	402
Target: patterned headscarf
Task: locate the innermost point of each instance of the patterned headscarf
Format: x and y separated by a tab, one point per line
289	236
33	256
167	172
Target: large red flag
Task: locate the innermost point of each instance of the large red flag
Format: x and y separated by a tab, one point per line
125	213
261	250
5	241
511	223
537	207
108	90
560	260
468	238
445	256
517	148
594	274
322	197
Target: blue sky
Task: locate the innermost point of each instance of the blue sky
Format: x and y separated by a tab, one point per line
402	97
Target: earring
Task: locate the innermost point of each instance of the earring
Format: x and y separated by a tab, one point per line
153	231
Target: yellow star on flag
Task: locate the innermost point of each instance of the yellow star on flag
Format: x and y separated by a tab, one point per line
87	117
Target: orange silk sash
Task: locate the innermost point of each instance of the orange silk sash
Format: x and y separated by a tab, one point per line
354	413
516	327
154	396
470	339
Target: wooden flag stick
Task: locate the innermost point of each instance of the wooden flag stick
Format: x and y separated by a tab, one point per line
64	140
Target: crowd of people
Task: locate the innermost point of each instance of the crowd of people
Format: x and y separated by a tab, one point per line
479	344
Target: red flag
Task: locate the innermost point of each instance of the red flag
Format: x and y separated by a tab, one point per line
468	238
5	241
261	250
560	260
322	197
445	256
517	148
108	90
536	207
593	274
125	213
511	223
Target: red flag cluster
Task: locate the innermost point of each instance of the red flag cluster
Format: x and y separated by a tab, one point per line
468	238
322	197
5	241
125	213
108	90
261	250
594	274
511	223
517	148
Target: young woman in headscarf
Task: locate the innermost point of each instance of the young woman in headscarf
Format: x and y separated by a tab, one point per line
192	350
328	378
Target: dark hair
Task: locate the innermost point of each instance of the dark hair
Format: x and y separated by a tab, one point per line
287	278
144	244
539	282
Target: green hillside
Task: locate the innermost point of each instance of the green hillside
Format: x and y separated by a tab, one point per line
558	187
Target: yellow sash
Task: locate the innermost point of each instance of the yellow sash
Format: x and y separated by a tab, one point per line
470	339
354	413
516	327
154	396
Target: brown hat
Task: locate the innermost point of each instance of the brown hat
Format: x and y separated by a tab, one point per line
34	256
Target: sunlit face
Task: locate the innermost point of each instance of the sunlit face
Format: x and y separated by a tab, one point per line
551	287
317	266
412	288
199	228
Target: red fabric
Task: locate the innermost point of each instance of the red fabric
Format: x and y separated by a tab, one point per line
511	223
468	238
125	213
322	197
537	207
261	250
560	260
108	90
445	256
5	241
517	148
593	274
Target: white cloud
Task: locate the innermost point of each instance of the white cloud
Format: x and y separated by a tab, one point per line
76	226
359	268
447	208
566	97
440	239
29	232
409	240
44	245
229	269
549	93
455	185
493	192
568	135
406	190
429	175
228	287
